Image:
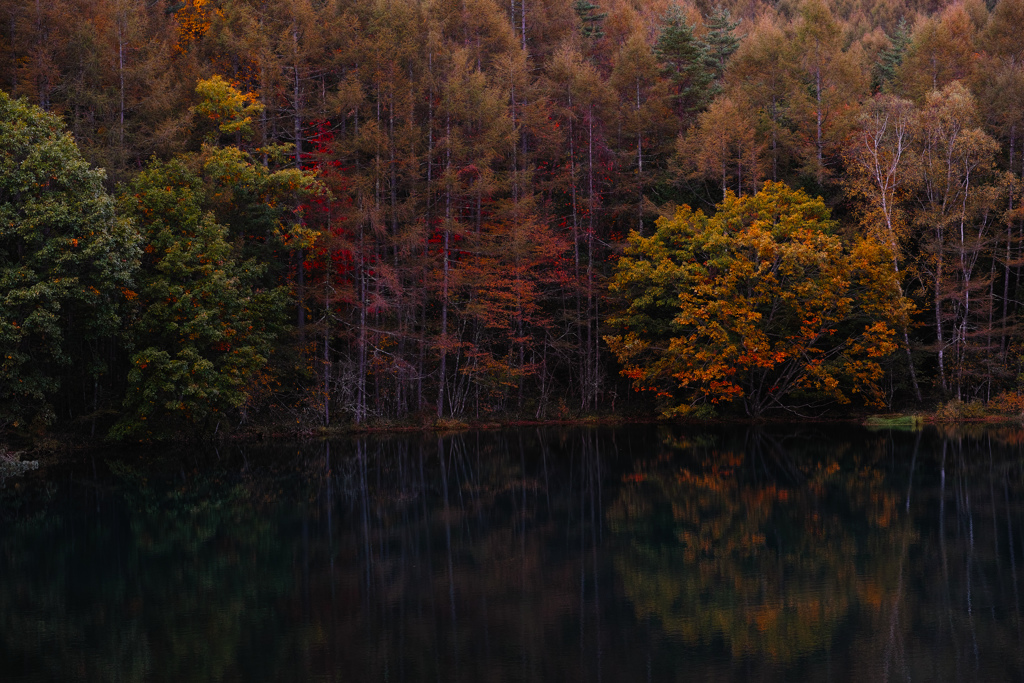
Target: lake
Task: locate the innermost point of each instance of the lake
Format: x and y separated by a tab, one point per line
641	553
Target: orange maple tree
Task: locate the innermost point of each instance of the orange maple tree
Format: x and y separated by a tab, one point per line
759	304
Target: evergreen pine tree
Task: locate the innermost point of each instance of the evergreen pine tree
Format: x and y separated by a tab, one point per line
720	42
684	60
591	21
890	58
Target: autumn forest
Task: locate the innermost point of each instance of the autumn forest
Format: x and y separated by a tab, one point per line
236	215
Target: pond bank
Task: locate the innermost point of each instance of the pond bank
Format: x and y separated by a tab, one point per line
53	447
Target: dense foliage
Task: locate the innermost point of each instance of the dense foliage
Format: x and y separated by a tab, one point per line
204	329
66	263
479	167
754	304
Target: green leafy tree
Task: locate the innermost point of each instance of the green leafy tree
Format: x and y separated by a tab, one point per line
205	329
224	110
757	304
66	262
209	314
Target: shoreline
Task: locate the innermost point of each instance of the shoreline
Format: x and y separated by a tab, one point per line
57	445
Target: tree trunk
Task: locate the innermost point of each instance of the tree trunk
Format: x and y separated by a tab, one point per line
938	314
443	370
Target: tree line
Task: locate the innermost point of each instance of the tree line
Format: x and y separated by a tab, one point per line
317	211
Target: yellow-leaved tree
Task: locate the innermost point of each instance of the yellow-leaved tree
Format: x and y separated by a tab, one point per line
759	304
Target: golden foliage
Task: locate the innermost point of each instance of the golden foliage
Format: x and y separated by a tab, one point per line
754	304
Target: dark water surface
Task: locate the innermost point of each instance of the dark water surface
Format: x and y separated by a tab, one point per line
808	553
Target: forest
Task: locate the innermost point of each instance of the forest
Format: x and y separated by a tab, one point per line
225	216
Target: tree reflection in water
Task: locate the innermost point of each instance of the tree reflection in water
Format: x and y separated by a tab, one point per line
804	552
578	554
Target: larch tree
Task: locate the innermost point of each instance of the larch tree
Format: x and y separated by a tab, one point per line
645	124
942	50
829	78
381	145
580	96
755	75
999	85
476	132
724	147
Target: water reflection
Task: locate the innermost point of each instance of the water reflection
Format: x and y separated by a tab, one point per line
805	553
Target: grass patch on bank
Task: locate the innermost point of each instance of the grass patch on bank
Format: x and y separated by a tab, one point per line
909	423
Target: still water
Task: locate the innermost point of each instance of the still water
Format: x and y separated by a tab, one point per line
809	553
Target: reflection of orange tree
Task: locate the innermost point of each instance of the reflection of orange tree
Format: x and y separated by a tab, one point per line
714	553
